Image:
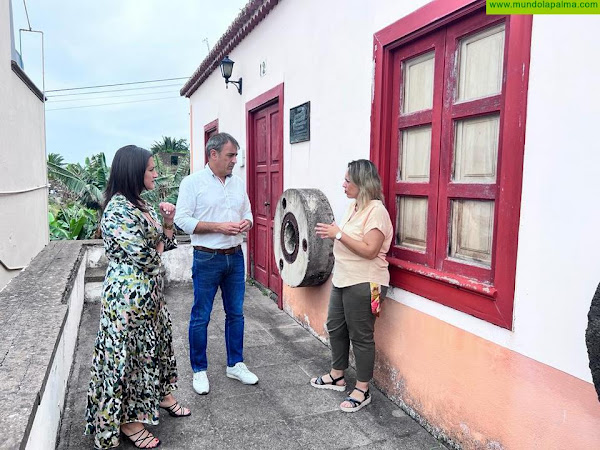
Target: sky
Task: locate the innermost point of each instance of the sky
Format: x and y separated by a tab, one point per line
117	41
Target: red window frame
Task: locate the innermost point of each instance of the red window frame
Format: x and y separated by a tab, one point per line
209	128
485	293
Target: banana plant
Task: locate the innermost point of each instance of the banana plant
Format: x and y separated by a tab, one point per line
85	183
72	222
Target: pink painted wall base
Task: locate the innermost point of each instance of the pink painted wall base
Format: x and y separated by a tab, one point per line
474	391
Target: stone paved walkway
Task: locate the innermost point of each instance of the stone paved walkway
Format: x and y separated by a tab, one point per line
282	412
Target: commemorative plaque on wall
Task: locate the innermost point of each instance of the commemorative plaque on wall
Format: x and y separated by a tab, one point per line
300	123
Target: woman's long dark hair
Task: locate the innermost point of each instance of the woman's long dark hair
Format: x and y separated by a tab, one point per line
127	175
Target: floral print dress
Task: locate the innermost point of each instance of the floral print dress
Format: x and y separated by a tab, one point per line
133	365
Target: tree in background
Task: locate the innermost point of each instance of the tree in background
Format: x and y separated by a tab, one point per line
170	145
169	177
166	186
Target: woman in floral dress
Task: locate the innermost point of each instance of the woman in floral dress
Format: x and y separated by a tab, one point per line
133	371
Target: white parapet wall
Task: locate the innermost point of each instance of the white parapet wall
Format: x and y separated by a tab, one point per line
48	416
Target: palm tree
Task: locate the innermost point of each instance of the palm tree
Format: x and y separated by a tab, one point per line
170	145
57	159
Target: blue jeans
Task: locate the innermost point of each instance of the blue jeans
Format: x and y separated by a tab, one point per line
210	271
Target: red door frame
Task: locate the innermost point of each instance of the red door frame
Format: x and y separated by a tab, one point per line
209	128
273	95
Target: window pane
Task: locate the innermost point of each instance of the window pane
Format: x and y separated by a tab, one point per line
415	148
481	59
418	83
411	223
472	225
476	150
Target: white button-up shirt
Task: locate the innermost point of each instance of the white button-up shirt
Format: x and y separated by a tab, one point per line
203	197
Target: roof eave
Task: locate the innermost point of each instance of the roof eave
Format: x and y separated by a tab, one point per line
244	23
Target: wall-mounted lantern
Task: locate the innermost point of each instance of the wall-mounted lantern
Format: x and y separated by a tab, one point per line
226	69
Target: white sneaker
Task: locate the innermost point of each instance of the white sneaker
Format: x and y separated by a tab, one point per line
240	372
201	382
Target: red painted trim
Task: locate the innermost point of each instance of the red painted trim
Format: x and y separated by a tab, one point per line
209	128
484	294
214	125
266	97
273	95
458	281
423	20
510	166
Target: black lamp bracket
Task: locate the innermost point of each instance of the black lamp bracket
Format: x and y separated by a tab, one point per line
237	83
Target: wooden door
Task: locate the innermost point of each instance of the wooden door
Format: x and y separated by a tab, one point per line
266	170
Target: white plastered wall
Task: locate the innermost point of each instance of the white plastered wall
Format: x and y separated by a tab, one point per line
322	52
23	195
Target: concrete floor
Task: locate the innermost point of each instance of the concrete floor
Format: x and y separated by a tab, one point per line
281	412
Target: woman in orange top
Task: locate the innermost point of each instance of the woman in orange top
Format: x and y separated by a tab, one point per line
360	280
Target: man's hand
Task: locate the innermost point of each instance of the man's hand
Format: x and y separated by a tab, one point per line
245	225
229	228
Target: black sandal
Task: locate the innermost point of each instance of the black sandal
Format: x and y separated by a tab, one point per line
319	383
175	409
142	439
357	405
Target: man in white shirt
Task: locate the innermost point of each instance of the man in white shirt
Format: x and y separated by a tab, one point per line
214	208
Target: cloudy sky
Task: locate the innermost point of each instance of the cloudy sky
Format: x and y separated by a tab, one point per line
117	41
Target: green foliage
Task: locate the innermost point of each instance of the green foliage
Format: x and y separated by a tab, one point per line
85	183
170	145
77	214
166	186
56	159
72	222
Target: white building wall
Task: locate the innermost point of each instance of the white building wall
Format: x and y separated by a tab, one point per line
23	191
322	52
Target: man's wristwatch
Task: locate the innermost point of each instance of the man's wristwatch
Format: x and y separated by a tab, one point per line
338	235
167	226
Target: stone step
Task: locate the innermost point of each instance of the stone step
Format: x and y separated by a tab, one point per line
92	292
93	274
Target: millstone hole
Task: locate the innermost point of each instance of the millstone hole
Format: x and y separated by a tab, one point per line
290	237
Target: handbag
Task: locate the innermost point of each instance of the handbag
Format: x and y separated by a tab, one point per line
376	298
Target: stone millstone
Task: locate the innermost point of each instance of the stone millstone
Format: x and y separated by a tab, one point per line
592	339
303	258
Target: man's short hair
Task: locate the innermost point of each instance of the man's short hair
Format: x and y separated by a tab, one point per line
217	141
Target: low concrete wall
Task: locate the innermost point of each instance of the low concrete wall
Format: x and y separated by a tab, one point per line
49	413
177	262
39	311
